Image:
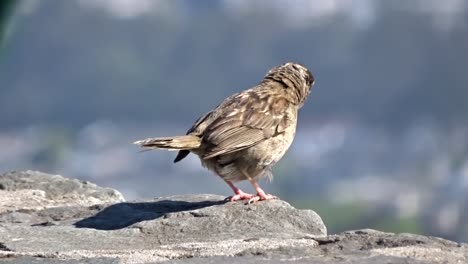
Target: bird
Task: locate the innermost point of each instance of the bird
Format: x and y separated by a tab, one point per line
248	132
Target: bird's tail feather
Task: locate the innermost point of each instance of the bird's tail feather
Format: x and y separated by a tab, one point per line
170	143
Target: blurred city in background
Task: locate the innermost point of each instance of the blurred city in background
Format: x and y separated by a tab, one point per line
382	141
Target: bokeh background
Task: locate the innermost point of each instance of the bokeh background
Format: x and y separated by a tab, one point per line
382	142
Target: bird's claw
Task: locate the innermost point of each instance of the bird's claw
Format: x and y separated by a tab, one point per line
239	196
261	197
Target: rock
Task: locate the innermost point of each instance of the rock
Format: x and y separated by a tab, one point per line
82	223
36	190
189	218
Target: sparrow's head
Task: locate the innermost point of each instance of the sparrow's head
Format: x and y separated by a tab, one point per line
295	78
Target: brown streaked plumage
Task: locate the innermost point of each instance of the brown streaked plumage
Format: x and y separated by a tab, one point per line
249	132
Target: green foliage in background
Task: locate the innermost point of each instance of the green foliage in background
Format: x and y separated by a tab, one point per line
358	215
6	8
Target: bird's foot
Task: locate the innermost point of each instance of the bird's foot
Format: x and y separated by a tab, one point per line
260	197
240	195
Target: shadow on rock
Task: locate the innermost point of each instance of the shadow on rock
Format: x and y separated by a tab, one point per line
122	215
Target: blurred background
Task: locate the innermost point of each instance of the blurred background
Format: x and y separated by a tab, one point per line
382	141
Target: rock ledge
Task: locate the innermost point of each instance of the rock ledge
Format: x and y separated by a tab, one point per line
51	219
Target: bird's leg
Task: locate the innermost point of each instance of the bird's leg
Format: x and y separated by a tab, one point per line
239	194
261	195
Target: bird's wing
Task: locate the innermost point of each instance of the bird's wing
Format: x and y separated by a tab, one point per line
248	119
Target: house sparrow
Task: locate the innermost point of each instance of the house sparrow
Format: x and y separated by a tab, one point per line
249	132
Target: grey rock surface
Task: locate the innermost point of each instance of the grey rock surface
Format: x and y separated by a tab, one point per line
33	190
82	223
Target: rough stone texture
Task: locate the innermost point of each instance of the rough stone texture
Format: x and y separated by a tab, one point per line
50	219
36	190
